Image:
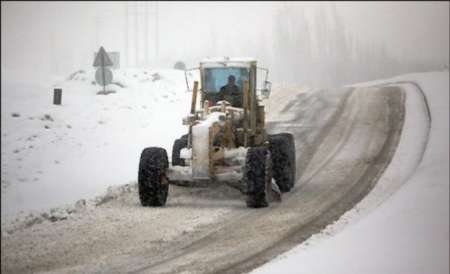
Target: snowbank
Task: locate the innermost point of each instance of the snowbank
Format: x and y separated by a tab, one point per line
402	226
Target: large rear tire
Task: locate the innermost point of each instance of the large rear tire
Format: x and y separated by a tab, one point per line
152	181
257	175
282	149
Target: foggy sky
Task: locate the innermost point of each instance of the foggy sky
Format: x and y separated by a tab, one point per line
60	37
409	29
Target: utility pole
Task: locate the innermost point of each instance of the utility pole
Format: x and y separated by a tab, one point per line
156	34
97	21
146	63
136	34
126	50
53	65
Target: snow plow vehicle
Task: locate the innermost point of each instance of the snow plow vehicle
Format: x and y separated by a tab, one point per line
226	141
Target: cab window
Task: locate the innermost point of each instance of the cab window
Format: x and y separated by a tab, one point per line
215	78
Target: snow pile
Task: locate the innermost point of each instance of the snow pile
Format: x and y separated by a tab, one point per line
66	212
53	155
409	231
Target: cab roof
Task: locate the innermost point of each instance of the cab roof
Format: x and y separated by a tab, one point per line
227	61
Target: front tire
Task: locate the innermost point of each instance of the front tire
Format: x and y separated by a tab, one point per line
282	148
257	175
152	181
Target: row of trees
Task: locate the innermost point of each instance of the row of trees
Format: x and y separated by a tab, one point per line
319	50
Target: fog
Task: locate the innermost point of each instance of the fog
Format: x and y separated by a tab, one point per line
314	43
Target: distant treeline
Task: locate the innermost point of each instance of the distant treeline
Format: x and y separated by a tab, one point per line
319	51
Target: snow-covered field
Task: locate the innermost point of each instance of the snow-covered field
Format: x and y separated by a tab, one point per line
402	226
54	155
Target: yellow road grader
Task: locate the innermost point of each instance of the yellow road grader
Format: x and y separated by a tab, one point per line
226	140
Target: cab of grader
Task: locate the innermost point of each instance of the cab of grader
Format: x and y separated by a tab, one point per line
226	140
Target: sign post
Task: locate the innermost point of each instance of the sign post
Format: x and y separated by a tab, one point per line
103	75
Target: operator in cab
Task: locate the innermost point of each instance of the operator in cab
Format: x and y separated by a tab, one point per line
231	92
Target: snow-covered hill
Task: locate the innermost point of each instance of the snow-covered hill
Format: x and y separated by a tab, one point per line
53	155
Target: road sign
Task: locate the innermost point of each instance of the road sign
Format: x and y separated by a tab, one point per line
102	59
114	56
103	76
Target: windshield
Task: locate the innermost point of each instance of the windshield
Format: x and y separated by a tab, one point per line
215	78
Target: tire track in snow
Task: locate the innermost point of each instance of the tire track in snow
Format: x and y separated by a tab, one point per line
426	106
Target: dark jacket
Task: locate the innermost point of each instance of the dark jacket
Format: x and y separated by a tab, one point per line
232	94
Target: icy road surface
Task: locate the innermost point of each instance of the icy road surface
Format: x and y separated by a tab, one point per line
344	141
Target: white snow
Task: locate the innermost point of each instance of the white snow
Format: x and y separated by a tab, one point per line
402	226
54	155
185	153
237	154
200	147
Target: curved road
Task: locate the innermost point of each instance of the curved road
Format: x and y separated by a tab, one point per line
344	140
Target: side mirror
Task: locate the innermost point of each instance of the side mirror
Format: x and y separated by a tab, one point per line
188	73
267	85
265	91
